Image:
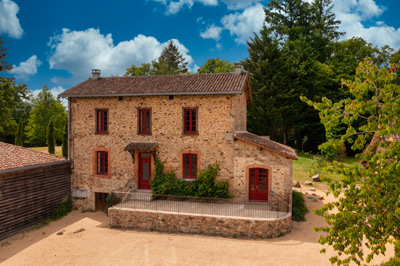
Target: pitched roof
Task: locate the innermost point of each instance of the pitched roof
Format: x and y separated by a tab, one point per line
220	83
141	146
266	144
12	156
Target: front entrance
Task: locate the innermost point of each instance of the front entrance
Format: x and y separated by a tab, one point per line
258	184
144	170
101	201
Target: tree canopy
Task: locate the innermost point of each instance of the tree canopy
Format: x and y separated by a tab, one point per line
216	66
45	108
368	198
170	62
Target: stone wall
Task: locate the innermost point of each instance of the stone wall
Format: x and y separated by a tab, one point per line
209	225
218	117
250	156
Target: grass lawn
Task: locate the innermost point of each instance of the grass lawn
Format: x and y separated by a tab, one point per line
44	149
307	165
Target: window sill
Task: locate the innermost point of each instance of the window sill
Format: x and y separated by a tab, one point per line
190	179
101	133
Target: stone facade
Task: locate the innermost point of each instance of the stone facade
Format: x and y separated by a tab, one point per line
200	224
219	117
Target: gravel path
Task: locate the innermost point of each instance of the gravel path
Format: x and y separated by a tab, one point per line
99	245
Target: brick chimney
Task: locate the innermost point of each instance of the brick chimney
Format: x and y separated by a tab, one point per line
95	74
238	68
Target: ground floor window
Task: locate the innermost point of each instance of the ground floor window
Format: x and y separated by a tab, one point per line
190	166
102	163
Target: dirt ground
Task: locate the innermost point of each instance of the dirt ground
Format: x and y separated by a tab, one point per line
100	245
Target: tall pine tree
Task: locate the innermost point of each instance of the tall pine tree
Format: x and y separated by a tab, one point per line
50	140
18	133
171	61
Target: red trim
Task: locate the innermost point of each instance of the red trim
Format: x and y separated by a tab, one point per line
258	184
190	160
102	121
102	163
144	184
190	121
146	121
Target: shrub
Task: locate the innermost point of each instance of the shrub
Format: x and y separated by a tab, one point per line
299	208
203	186
62	210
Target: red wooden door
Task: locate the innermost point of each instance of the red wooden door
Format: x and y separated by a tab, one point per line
144	170
258	184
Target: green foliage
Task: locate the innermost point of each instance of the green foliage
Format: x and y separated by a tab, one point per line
216	66
170	62
50	138
3	64
369	210
64	146
299	208
18	134
144	70
62	210
45	108
203	186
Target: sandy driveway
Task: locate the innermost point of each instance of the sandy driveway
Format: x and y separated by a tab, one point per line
100	245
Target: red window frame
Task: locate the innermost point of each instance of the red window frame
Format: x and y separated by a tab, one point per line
144	122
102	163
190	165
190	121
102	121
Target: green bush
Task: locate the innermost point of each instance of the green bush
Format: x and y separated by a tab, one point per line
62	210
203	186
299	208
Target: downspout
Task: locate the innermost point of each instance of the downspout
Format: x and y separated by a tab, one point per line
69	128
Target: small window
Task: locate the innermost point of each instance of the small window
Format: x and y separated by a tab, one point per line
102	121
190	166
190	121
144	121
102	163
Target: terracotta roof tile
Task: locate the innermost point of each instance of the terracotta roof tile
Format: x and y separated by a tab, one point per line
266	144
220	83
141	146
12	156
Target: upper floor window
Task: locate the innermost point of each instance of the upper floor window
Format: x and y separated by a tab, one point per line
102	121
189	121
190	165
102	163
144	121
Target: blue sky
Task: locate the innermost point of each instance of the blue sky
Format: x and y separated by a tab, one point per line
58	42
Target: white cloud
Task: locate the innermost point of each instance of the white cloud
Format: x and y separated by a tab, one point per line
243	25
239	4
212	32
27	68
80	51
9	23
174	7
352	14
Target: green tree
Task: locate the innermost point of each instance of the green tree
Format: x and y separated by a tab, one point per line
50	140
3	64
45	108
295	46
18	134
171	61
65	141
144	70
7	103
216	66
367	208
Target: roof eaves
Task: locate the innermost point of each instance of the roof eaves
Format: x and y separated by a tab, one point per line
150	94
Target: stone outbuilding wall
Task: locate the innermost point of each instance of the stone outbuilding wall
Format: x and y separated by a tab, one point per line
200	224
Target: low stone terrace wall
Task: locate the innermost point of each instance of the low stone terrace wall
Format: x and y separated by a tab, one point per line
199	223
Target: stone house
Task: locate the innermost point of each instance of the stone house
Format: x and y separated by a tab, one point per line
117	125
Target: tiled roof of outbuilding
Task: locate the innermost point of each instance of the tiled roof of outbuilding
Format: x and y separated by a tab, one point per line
12	156
266	144
220	83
